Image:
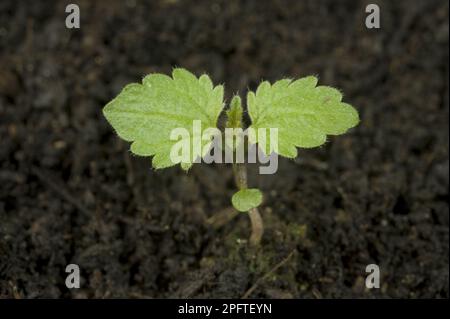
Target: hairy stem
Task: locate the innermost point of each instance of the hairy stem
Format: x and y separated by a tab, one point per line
240	176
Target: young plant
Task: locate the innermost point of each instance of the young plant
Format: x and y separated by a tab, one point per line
298	113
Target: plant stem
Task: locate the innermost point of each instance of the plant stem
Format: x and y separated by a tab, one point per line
240	176
257	227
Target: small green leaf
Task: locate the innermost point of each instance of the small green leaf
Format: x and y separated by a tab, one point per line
234	123
303	113
146	113
234	114
246	199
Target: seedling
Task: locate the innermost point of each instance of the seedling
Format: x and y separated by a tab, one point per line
163	117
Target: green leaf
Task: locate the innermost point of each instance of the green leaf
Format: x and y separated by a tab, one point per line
303	113
234	114
246	199
234	122
146	113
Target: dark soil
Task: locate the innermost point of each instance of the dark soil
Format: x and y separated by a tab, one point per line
71	192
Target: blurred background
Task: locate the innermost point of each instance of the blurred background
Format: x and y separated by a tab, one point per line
71	192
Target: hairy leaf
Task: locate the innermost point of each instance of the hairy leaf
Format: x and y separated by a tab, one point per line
303	113
146	113
234	121
246	199
234	114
